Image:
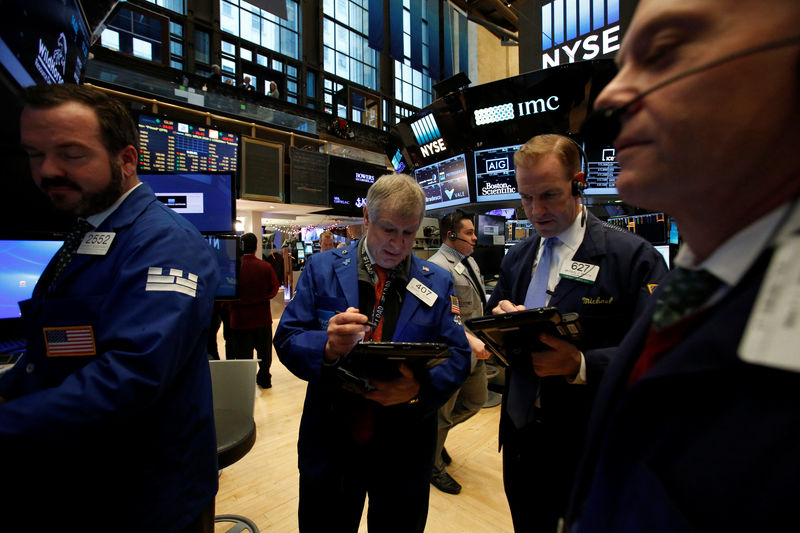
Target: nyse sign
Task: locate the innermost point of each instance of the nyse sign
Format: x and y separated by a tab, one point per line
585	49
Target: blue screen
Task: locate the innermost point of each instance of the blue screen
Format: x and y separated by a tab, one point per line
226	250
206	200
21	264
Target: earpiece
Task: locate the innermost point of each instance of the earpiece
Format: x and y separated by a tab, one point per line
452	235
577	187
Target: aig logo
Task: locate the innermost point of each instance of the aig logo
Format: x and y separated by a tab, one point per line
497	165
578	30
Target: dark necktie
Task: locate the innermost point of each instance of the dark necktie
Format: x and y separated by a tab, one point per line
475	280
683	294
678	309
65	254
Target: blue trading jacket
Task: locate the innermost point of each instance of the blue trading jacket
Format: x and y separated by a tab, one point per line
123	428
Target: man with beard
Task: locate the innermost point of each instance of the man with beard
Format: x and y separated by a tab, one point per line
107	418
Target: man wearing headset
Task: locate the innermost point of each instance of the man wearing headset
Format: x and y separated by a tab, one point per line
696	425
549	394
458	243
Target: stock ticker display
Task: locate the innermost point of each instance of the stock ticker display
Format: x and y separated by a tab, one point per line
168	145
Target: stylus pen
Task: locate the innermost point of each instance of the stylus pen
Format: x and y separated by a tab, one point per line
367	323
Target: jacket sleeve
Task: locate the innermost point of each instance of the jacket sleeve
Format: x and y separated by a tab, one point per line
143	337
647	269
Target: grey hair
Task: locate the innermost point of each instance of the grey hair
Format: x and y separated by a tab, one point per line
401	191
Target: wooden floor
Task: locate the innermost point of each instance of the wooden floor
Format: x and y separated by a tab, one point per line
263	485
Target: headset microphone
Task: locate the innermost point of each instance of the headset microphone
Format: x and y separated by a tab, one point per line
603	125
453	236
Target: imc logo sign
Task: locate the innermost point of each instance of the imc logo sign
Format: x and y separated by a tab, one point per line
428	137
579	30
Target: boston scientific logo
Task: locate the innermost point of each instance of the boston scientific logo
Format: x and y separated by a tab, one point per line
578	30
430	141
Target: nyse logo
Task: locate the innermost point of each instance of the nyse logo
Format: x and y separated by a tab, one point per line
497	165
433	148
426	131
579	30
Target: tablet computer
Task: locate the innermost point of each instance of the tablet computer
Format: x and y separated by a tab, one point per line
510	334
381	360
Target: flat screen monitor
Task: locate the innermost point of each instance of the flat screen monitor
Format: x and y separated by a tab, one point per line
602	170
495	178
301	253
445	183
44	42
228	254
169	145
349	181
309	249
491	230
207	200
652	226
21	264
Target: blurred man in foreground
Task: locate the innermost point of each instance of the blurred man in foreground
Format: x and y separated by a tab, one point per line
697	424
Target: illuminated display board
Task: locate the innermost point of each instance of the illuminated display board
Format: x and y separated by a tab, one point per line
445	183
494	174
168	145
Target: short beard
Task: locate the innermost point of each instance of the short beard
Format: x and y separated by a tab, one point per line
93	203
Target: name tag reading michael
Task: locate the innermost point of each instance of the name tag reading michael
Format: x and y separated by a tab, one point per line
96	242
585	272
418	289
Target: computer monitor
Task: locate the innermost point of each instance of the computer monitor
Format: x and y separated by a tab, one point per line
602	170
495	178
170	145
445	183
228	254
207	200
44	42
652	226
22	262
491	230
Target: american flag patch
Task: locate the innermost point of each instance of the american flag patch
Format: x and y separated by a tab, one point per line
455	307
74	340
172	280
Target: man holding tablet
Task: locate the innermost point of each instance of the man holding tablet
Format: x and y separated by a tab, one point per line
378	443
548	395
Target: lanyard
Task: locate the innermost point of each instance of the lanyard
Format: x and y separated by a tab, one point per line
377	313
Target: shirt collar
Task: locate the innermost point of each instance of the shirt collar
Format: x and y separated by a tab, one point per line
449	250
730	261
401	270
98	218
572	237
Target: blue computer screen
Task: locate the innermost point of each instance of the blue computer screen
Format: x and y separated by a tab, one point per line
206	200
21	264
226	251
